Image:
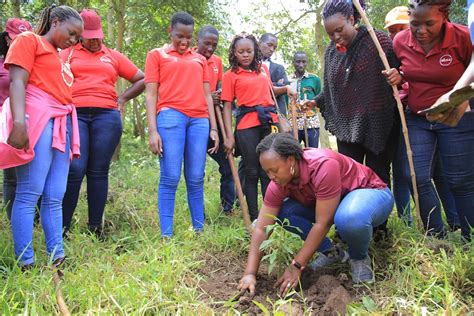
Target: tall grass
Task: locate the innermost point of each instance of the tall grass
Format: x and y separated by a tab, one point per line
134	271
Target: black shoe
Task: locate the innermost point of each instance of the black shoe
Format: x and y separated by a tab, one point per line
58	262
97	231
27	267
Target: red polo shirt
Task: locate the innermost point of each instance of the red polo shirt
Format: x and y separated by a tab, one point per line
324	174
214	64
432	74
42	62
95	75
250	89
180	79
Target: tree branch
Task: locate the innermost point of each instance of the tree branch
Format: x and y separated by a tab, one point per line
294	21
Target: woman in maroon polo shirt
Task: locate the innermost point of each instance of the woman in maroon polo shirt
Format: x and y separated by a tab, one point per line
434	53
314	188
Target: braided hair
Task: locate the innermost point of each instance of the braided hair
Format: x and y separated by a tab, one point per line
257	58
344	7
284	144
444	5
62	13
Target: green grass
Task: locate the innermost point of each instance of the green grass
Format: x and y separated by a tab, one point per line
135	272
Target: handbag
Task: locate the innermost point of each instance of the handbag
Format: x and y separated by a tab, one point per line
283	125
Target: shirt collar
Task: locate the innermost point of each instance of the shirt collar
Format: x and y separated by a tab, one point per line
168	48
305	75
80	47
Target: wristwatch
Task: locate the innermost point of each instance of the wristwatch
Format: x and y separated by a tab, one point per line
297	265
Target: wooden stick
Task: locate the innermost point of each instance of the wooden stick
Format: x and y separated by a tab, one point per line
371	31
305	123
235	175
294	124
59	294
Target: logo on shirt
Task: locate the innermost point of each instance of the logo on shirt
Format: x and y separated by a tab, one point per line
216	70
446	60
105	59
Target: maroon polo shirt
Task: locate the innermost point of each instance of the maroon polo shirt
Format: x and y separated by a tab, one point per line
432	74
324	174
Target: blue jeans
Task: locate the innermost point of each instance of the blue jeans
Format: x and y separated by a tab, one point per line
100	131
313	137
9	188
184	139
456	150
45	176
402	186
354	219
227	188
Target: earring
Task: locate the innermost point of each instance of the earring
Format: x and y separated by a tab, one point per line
292	170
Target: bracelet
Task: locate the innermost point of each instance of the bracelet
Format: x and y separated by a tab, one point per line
297	265
214	129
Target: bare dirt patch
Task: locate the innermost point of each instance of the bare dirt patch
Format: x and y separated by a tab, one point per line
323	293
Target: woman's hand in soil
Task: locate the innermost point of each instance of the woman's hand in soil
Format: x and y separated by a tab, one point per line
247	283
288	280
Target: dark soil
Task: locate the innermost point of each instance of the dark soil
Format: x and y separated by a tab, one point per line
325	292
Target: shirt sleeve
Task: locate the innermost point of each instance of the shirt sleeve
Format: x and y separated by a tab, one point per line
274	196
228	87
152	67
22	52
126	68
327	180
387	47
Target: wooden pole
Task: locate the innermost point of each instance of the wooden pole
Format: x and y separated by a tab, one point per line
294	124
371	31
305	123
235	175
63	310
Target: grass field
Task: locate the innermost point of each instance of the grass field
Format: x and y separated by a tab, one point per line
135	272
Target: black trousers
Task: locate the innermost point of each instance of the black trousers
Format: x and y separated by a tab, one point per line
248	139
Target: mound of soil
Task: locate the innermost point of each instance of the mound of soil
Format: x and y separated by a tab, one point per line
323	293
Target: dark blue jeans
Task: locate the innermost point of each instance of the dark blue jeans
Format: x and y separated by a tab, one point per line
355	219
456	150
402	186
313	137
227	188
100	131
9	187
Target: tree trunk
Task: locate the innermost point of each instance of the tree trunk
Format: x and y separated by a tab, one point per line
138	125
320	48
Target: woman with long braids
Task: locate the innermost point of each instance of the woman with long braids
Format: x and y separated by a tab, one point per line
96	69
43	133
13	27
314	188
248	81
434	53
357	101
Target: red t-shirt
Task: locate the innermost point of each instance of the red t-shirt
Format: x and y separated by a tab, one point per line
250	89
432	74
95	75
324	174
214	64
47	72
181	79
4	83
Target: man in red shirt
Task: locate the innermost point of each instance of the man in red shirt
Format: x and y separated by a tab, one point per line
208	38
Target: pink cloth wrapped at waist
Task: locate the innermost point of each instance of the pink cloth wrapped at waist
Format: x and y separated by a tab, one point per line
40	107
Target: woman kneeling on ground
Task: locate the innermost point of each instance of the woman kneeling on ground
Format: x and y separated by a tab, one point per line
314	188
